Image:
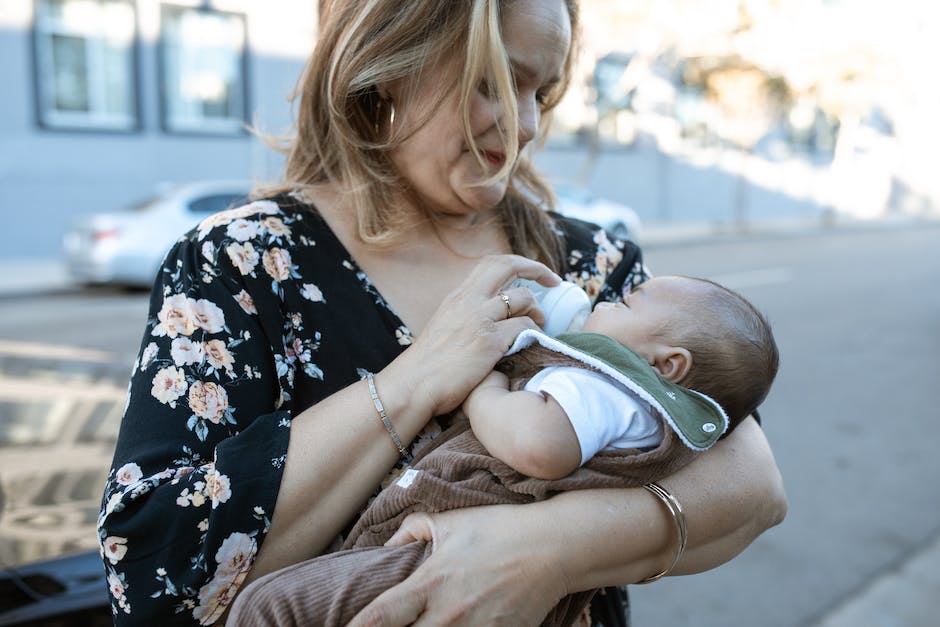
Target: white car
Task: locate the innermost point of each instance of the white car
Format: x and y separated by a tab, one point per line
126	247
619	220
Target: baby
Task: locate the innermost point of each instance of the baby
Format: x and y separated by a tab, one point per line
647	384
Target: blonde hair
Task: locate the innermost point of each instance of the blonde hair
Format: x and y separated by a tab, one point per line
341	136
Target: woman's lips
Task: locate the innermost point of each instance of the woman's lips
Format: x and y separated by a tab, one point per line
495	157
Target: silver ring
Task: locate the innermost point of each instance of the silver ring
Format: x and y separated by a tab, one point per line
506	302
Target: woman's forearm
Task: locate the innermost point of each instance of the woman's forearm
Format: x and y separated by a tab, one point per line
730	498
342	438
610	537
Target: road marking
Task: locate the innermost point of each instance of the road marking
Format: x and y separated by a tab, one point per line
30	390
755	278
54	351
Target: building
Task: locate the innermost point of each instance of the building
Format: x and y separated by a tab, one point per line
108	99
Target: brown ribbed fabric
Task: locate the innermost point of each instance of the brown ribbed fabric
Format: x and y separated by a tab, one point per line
454	472
328	590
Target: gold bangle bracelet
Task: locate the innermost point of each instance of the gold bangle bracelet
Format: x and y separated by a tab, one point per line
380	409
678	518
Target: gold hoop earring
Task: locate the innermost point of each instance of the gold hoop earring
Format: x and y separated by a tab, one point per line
380	105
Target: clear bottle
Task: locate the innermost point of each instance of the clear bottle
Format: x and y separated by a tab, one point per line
566	305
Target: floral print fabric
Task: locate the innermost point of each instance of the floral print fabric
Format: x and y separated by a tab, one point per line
257	313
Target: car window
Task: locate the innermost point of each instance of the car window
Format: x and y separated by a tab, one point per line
215	202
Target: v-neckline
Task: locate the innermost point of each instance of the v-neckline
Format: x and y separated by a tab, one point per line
365	281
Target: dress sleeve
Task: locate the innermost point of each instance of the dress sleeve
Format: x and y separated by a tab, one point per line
605	267
200	454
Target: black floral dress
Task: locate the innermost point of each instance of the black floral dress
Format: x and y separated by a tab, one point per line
246	304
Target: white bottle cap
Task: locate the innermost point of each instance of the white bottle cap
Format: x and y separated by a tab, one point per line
566	307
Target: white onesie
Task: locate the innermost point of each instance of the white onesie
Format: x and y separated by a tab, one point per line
605	414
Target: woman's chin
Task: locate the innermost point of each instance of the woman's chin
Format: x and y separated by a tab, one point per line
482	199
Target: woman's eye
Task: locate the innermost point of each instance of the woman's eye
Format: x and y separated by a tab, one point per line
485	88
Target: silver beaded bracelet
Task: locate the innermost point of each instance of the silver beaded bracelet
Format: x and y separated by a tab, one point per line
380	409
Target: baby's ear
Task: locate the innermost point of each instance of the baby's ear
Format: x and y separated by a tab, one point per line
672	362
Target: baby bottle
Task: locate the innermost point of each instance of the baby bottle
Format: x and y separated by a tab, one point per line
566	305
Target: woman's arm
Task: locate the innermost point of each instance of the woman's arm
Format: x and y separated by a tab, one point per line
510	564
339	450
730	496
527	431
214	479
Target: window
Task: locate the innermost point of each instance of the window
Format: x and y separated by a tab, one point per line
85	56
203	70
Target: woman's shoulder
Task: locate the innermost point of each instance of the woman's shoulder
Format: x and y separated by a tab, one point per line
599	263
283	223
574	229
260	219
583	235
265	238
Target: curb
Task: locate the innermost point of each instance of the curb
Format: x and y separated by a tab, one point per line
721	233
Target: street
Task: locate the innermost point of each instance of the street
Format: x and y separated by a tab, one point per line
856	314
850	418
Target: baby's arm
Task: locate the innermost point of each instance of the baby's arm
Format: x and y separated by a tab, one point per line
527	431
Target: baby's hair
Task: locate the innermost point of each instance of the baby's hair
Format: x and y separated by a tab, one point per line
734	354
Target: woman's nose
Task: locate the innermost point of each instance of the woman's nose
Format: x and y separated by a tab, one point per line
528	120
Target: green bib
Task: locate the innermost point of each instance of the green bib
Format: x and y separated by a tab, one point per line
696	418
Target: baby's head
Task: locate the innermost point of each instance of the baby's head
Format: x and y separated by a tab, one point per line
697	334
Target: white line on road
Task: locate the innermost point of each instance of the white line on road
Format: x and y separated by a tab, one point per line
755	278
32	390
53	351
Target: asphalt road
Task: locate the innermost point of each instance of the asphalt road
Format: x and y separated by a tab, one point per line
856	314
852	421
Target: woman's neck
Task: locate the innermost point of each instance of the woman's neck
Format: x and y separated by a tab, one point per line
420	268
468	236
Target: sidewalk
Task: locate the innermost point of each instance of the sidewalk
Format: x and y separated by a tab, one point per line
22	277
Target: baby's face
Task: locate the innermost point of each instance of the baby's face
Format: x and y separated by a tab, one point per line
637	321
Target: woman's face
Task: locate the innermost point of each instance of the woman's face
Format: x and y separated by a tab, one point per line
435	160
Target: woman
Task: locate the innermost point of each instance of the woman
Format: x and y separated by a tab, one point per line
250	443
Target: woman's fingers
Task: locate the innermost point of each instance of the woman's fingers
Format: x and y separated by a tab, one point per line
494	272
413	527
472	328
481	572
396	607
507	331
519	302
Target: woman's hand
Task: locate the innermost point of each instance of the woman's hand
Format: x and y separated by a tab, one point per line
472	328
480	573
510	564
